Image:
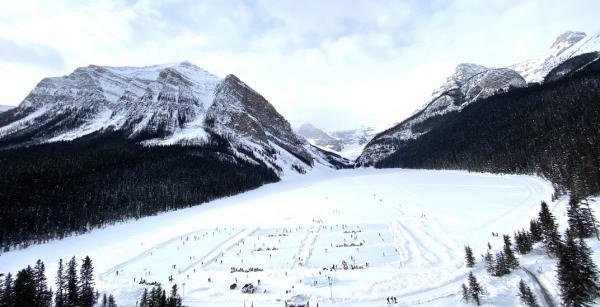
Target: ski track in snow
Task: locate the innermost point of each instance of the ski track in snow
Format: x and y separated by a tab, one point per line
409	226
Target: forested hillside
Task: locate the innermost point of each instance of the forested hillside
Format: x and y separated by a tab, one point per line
549	129
53	190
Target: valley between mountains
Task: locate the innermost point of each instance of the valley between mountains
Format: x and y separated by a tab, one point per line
169	175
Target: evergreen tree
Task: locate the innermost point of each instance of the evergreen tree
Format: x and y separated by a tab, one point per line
501	267
489	263
1	289
174	299
523	242
465	293
581	220
511	260
24	288
60	299
527	297
72	284
535	230
111	301
144	299
588	270
469	259
474	289
550	235
104	301
8	295
577	274
86	283
43	296
163	299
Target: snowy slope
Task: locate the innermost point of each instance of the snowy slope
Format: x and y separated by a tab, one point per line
468	84
566	46
409	225
177	103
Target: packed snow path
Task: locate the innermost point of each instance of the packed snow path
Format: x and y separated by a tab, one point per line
346	238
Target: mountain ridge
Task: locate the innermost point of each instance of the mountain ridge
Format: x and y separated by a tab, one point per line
175	103
470	83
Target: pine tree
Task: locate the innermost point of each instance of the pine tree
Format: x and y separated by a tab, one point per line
8	295
581	220
527	297
474	289
465	293
489	263
523	242
72	284
502	266
535	230
60	299
577	273
588	270
511	260
104	301
144	299
163	299
43	296
1	289
24	288
86	283
469	259
174	299
111	301
550	235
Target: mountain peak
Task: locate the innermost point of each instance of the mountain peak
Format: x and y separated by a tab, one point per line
568	39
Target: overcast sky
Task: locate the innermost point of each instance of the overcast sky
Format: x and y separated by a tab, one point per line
337	64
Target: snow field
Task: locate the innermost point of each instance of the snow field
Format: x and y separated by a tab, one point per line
419	219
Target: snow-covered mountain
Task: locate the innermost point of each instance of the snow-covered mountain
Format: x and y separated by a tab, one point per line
5	108
347	143
165	104
472	82
468	83
566	45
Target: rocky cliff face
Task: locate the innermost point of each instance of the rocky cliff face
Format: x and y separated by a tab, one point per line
468	83
250	121
159	105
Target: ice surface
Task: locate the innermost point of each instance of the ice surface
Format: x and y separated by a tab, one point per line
413	225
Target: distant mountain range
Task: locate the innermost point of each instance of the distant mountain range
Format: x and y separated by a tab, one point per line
347	143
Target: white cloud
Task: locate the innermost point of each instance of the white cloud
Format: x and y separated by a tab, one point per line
336	63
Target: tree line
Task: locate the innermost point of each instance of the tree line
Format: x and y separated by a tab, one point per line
74	286
55	190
